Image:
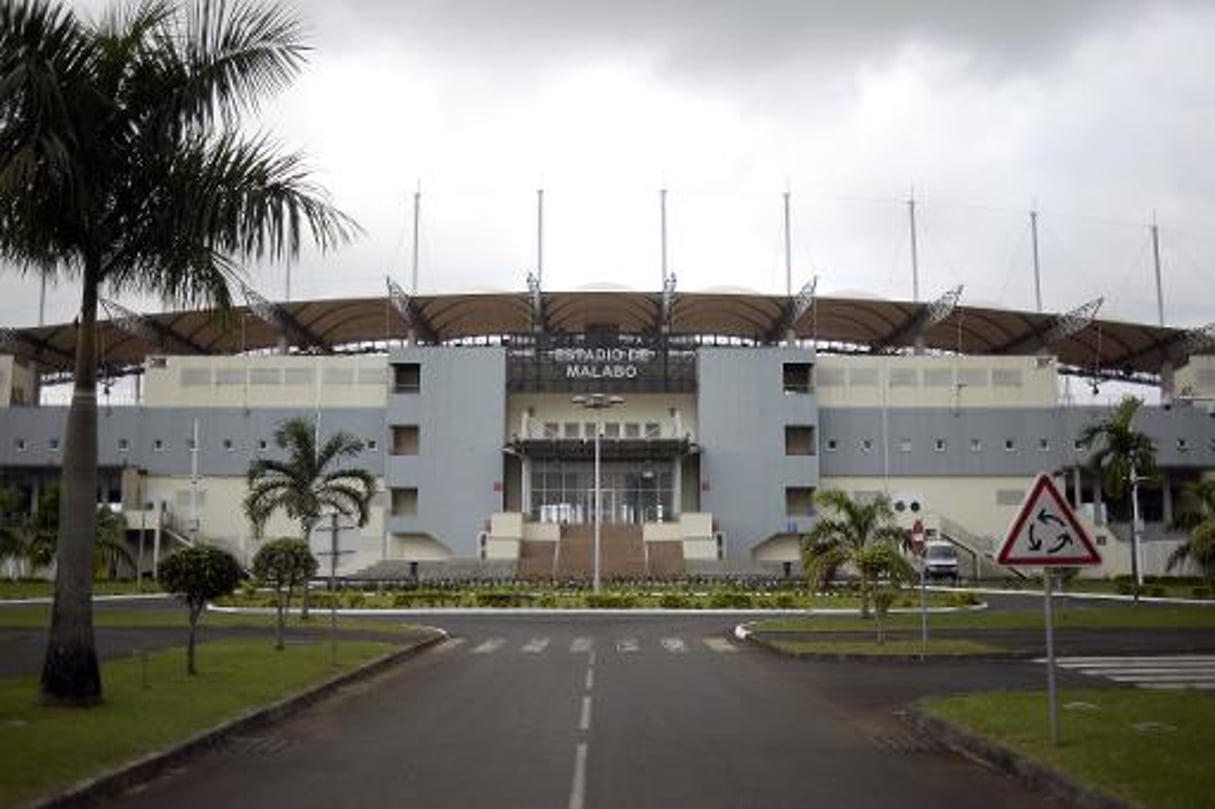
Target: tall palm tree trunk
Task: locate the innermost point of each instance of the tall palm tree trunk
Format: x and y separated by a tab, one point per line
70	673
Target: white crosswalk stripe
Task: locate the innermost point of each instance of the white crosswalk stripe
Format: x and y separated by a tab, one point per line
584	645
1147	671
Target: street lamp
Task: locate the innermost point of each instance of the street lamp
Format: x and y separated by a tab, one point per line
597	401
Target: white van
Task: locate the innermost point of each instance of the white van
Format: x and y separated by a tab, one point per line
940	560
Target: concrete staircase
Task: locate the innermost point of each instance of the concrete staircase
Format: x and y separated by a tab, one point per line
666	560
622	552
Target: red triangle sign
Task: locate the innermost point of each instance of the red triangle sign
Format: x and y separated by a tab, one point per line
1046	532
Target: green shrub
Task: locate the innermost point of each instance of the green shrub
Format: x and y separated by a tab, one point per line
1156	590
547	600
675	601
1123	586
502	598
959	599
324	601
731	600
1201	592
611	601
354	599
785	601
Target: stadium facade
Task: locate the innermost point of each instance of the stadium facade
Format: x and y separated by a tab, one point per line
718	418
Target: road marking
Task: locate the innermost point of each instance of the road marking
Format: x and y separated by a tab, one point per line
535	645
578	791
581	645
674	645
584	721
449	644
488	647
590	679
720	645
591	659
1147	671
627	645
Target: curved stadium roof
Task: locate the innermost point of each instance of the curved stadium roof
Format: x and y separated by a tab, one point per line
1105	348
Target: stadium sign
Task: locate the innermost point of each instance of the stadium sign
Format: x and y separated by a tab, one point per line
616	362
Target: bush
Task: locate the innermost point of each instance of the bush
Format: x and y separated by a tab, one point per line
731	600
500	598
1201	592
354	599
957	599
675	601
611	601
785	601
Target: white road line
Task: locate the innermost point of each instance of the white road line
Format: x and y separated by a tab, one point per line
488	647
580	645
578	791
720	645
584	721
535	645
627	645
448	645
1153	659
1144	671
590	679
674	645
591	659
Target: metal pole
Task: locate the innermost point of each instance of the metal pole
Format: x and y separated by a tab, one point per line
662	211
598	504
540	236
1051	701
1156	259
1136	567
333	555
788	248
417	218
915	250
143	518
194	486
1033	232
923	603
42	302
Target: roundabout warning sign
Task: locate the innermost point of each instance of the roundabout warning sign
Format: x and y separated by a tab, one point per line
1046	532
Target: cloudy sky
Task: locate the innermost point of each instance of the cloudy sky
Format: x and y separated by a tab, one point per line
1098	113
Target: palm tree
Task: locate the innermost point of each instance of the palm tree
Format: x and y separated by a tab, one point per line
1121	456
122	165
308	482
1199	547
847	535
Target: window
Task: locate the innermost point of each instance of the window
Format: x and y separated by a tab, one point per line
123	445
652	430
938	445
261	444
570	429
158	445
904	445
1078	445
866	445
799	501
832	445
53	445
1183	445
611	429
799	439
406	377
20	444
1043	445
632	430
405	439
228	445
1010	445
797	377
976	445
551	429
405	502
191	444
372	445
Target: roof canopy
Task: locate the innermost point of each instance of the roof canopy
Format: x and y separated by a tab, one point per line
1099	347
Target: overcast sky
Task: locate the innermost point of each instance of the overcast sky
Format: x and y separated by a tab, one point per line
1098	113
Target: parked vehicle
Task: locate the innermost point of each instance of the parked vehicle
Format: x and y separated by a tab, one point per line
940	560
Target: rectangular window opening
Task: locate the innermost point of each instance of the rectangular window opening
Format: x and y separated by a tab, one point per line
798	377
405	501
406	377
799	501
799	439
405	439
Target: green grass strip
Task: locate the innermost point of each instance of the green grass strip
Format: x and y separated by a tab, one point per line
1149	748
1143	617
893	647
44	749
39	617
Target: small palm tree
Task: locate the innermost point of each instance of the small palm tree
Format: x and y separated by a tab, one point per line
123	166
308	481
847	535
1199	547
1119	452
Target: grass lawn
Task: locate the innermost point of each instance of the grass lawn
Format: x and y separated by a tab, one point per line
1087	617
1149	748
892	646
39	617
47	749
36	588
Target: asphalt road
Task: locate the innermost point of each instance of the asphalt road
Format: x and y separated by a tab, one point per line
607	711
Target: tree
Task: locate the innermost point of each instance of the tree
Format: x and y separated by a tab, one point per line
198	575
1119	452
284	564
1199	546
308	481
848	535
122	165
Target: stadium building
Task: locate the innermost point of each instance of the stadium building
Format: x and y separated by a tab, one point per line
708	419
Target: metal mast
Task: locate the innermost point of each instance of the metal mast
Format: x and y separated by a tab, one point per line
1033	232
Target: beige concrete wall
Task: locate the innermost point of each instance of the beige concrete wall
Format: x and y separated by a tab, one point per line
1196	378
933	381
18	383
266	381
417	548
637	408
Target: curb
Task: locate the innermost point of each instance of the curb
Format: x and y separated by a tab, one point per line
745	633
125	776
1029	773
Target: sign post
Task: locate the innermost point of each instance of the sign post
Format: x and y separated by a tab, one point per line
1046	534
918	547
333	529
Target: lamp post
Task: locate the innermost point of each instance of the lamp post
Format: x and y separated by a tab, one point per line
1136	561
597	401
